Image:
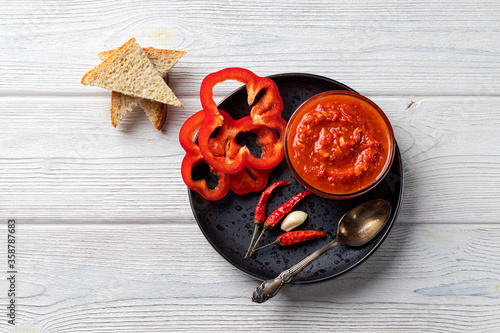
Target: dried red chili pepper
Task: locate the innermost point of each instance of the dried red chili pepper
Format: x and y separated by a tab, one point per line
284	209
245	181
230	157
276	216
260	210
294	237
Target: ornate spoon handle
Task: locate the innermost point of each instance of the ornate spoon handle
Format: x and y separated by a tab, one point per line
270	288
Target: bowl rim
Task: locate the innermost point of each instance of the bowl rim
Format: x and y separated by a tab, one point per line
382	174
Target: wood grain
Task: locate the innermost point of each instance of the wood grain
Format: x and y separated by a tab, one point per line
127	278
419	47
106	240
72	165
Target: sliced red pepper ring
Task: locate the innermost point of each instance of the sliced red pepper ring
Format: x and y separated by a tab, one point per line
222	152
249	180
194	158
268	107
245	181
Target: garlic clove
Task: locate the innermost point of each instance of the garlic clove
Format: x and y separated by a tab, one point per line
293	220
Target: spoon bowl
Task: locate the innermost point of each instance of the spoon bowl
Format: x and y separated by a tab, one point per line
356	228
362	223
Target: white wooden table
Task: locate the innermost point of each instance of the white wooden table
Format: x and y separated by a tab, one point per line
105	237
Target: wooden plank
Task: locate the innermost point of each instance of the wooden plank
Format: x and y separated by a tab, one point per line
62	160
389	48
156	278
105	238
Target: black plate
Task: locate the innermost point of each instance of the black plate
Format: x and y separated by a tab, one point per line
228	223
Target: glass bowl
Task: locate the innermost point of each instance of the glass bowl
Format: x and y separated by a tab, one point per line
339	144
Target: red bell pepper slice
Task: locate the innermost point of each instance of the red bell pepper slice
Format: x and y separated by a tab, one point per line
223	153
249	180
194	157
246	180
269	106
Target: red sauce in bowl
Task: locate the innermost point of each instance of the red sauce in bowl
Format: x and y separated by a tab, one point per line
339	144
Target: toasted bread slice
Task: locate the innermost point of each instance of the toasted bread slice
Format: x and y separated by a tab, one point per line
129	71
156	112
122	104
161	59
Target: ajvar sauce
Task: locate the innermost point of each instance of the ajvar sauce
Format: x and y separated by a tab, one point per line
338	144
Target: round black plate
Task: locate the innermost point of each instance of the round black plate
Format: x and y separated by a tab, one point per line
228	223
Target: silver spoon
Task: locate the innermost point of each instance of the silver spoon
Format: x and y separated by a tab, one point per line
357	227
